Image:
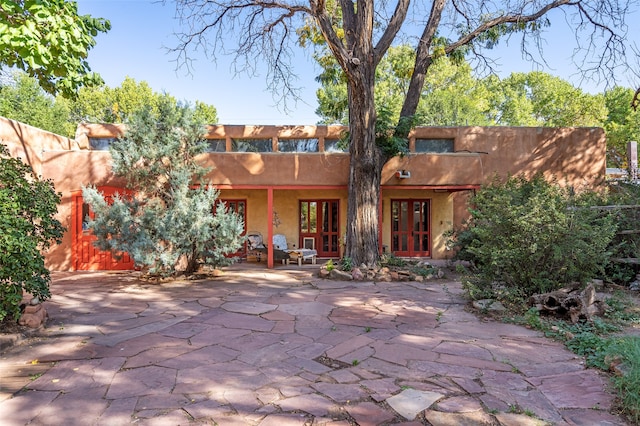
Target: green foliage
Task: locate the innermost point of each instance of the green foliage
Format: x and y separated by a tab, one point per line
105	104
27	227
390	137
22	99
626	351
50	41
588	339
451	94
329	265
622	125
346	264
532	236
168	226
389	259
540	99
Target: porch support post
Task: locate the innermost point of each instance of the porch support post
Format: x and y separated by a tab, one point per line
270	228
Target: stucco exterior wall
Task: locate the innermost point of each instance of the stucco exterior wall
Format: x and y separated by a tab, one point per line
34	146
574	156
28	142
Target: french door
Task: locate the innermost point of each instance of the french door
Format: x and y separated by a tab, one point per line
411	227
319	224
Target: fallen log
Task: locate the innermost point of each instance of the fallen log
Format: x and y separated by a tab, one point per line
570	302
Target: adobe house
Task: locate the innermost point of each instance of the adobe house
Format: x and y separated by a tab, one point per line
292	180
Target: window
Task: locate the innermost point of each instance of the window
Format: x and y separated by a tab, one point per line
251	145
101	144
298	145
217	145
334	145
434	145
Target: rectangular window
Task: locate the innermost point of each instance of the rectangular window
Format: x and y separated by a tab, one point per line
298	145
434	145
333	145
101	144
251	145
217	145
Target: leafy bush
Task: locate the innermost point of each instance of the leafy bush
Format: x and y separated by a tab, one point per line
346	263
533	236
27	227
169	225
390	259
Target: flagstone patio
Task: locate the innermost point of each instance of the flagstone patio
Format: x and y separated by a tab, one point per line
283	347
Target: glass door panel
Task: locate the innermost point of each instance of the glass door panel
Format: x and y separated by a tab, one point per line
319	219
410	227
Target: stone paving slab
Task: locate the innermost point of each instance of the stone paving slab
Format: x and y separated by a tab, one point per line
282	347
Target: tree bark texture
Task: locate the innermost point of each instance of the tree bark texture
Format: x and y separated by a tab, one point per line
365	172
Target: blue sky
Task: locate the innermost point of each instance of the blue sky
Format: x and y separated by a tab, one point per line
142	30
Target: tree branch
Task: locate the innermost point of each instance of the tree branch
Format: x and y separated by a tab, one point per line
265	33
505	19
395	23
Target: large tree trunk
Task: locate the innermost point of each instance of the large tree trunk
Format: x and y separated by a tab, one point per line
365	171
422	64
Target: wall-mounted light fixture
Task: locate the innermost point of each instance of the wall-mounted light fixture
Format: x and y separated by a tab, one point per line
403	174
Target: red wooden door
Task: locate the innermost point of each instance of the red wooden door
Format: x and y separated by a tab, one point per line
410	228
240	208
319	220
86	257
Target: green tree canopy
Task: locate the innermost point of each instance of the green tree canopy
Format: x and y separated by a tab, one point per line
451	95
104	104
622	124
50	41
540	99
22	99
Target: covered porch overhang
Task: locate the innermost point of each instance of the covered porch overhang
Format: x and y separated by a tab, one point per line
270	209
270	205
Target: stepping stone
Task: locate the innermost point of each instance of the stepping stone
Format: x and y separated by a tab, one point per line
252	308
410	402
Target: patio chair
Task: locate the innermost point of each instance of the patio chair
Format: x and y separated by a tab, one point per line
296	255
280	249
255	246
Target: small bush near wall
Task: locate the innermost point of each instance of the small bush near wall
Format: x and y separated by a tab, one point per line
532	236
27	227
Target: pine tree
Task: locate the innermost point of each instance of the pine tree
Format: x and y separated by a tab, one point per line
168	224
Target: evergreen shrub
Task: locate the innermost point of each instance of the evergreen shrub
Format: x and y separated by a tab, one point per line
173	222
